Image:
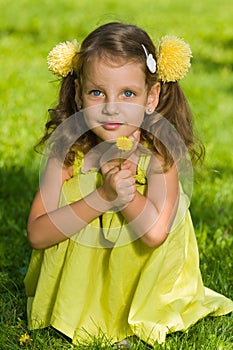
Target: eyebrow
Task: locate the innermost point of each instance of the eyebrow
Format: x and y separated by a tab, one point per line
90	84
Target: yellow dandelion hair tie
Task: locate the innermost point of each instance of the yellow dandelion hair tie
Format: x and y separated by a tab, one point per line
60	58
173	59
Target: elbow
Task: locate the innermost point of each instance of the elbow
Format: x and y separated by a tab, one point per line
34	239
36	246
39	238
154	239
34	243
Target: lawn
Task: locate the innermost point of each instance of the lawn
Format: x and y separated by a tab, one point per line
28	30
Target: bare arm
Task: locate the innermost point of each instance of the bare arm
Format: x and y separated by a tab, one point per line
151	216
49	225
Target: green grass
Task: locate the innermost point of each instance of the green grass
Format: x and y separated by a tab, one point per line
28	30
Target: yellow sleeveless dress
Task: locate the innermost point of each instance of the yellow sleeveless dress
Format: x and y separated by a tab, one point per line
105	281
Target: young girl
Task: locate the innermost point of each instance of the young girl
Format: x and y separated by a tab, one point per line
114	246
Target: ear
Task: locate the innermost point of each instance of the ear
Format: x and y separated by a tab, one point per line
78	95
153	98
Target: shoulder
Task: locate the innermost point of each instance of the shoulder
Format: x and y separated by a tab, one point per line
156	164
158	172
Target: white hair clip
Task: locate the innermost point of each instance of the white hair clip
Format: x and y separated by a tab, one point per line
150	61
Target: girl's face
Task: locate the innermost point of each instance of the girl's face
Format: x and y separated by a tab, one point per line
114	98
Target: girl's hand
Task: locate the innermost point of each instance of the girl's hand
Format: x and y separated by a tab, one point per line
119	185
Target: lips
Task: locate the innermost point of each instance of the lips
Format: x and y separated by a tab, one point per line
111	126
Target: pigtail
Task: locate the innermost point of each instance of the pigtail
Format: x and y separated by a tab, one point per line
65	108
174	107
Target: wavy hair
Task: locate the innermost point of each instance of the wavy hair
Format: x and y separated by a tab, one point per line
118	41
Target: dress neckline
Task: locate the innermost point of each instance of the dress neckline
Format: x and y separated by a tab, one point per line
140	176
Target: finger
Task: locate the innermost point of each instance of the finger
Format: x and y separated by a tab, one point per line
109	168
125	187
113	171
131	181
125	165
125	173
126	195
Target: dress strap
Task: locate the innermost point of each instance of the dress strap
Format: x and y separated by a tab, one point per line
143	163
78	163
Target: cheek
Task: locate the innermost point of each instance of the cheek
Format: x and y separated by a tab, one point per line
92	115
86	103
90	101
136	118
134	113
89	118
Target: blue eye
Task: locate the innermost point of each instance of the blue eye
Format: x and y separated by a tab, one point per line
95	93
128	93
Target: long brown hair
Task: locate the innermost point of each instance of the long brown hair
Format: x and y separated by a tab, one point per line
124	41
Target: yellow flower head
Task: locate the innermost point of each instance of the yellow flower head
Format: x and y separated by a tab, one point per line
124	143
60	58
173	59
24	339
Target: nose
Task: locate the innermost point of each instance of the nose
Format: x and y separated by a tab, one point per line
111	108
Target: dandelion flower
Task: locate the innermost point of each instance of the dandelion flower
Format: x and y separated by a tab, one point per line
25	339
124	143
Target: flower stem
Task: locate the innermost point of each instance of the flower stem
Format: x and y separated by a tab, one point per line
120	160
